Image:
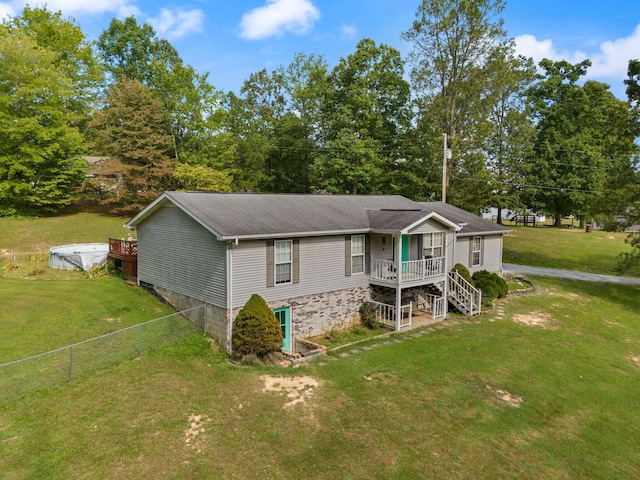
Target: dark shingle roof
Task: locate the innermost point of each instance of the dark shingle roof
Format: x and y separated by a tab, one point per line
246	215
471	224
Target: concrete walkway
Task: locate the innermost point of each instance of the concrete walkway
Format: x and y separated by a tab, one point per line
569	274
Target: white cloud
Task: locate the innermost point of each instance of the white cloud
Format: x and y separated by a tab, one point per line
613	58
609	60
6	11
277	17
349	31
122	8
530	46
177	23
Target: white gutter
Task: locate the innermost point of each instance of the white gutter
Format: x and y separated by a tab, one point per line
230	293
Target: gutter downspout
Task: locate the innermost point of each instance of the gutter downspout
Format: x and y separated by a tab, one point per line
398	255
230	293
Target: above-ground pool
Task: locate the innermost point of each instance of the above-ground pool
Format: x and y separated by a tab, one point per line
84	256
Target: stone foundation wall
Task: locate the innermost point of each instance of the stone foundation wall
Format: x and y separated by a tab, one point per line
316	314
210	318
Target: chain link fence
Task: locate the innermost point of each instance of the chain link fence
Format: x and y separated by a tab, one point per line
48	369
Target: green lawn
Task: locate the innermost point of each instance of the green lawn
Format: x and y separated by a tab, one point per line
548	390
40	234
567	248
42	315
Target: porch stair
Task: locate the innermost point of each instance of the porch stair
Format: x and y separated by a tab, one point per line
462	295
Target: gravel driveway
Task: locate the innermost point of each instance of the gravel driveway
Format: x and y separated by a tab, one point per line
570	274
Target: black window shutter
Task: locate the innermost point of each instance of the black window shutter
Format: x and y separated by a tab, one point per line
367	254
270	264
296	261
347	255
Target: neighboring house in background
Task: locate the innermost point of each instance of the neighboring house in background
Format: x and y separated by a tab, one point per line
624	219
314	258
103	173
491	213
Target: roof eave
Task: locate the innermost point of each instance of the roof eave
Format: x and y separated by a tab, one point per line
475	234
435	216
157	203
260	236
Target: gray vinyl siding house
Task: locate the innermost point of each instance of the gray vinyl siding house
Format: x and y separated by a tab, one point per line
313	258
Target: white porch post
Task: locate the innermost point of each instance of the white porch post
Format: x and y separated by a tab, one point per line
398	307
398	257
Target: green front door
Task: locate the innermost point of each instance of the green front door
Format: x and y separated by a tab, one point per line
283	315
405	251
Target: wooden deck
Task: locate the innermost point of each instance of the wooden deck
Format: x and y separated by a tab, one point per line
123	249
124	254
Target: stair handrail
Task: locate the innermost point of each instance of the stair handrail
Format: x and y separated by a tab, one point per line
471	294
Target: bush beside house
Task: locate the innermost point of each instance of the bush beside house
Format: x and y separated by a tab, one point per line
491	284
256	330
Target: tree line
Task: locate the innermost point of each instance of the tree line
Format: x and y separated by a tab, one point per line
518	136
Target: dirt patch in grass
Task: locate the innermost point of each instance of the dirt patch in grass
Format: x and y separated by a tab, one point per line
296	389
636	360
574	297
611	323
195	432
535	319
504	396
384	377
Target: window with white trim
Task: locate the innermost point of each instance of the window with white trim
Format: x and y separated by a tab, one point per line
283	260
357	254
476	252
433	244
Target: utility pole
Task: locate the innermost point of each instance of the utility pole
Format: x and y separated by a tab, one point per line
446	156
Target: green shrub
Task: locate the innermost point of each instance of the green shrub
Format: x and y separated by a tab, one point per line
463	271
256	330
491	284
368	315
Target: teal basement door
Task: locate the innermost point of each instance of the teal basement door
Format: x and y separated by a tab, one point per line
283	315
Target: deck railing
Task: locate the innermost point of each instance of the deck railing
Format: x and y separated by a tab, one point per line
386	314
120	246
432	304
410	271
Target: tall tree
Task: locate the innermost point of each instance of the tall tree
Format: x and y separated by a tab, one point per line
40	145
300	131
452	42
272	129
131	128
73	54
133	51
366	111
581	131
627	181
510	142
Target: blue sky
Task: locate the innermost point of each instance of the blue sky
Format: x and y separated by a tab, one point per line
230	39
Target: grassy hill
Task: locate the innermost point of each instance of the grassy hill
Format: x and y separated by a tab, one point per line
544	387
567	248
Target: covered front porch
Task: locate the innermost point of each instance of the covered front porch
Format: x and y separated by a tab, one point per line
408	256
418	307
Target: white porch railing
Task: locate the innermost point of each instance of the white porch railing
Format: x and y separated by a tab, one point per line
439	304
383	269
410	271
466	296
432	304
386	314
